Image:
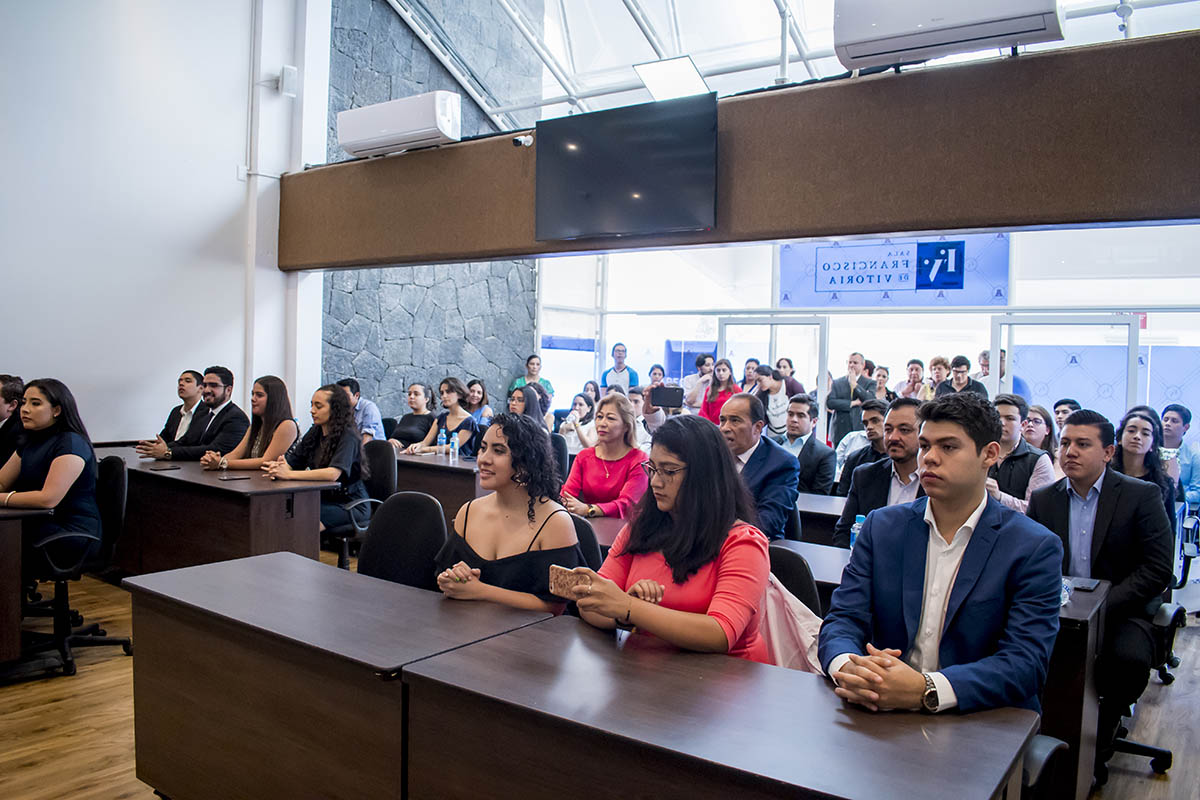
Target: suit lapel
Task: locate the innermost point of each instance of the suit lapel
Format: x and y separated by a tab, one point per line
1061	510
912	594
983	539
754	463
1110	495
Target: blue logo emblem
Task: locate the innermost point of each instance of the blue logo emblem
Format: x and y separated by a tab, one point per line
940	265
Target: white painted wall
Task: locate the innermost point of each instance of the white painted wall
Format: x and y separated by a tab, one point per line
126	252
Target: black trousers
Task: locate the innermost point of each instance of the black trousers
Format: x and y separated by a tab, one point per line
1122	673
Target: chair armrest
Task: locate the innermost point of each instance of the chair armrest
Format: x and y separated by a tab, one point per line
1166	614
54	537
355	504
1037	755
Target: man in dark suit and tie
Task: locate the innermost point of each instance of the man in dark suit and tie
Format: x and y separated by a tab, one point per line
950	601
769	472
846	397
889	481
1115	528
181	416
219	428
818	462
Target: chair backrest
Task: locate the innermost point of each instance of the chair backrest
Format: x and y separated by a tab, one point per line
111	491
794	573
403	540
389	426
381	469
587	542
791	528
558	444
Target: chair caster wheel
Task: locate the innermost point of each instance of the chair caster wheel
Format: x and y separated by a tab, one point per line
1173	662
1122	732
102	632
128	648
1161	764
1166	677
76	619
68	668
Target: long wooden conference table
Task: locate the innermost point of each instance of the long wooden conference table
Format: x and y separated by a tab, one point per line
10	579
178	514
453	483
275	676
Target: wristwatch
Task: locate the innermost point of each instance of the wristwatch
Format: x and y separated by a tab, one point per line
929	700
593	511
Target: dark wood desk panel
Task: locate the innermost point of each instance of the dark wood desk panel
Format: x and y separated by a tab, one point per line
818	514
573	709
182	517
453	484
270	676
1070	702
10	579
826	563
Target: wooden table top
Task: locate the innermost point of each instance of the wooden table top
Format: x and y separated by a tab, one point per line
826	562
607	528
21	513
191	472
376	623
824	504
1083	605
785	725
438	461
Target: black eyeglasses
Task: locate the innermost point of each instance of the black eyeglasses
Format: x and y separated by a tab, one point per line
667	474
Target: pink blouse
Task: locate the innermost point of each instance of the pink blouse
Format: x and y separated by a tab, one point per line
711	409
613	486
728	588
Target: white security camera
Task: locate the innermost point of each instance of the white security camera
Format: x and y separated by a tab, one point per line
525	140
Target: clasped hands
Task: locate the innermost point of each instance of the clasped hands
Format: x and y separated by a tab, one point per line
574	505
152	449
880	680
276	469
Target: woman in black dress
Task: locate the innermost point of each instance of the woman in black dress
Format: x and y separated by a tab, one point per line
413	426
330	451
503	543
54	467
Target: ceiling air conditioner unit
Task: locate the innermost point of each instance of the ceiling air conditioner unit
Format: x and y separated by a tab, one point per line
422	120
875	33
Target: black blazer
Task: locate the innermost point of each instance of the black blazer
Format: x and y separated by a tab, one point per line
10	429
1132	542
772	475
818	464
848	418
168	432
869	487
221	435
863	455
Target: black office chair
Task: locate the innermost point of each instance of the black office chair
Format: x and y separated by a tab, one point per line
791	528
403	541
380	481
587	542
560	415
111	483
790	568
558	444
389	426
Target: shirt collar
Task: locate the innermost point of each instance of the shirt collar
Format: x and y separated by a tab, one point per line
896	475
1095	487
969	526
744	457
803	440
221	407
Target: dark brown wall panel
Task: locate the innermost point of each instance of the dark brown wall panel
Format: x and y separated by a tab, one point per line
1108	133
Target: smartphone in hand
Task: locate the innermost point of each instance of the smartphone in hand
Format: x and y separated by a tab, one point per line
562	580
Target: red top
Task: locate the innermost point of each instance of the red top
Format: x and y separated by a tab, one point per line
728	588
711	409
613	486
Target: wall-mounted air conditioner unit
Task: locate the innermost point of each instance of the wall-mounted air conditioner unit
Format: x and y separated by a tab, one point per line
873	33
422	120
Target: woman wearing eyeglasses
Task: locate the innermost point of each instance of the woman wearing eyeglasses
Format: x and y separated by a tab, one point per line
691	568
1038	430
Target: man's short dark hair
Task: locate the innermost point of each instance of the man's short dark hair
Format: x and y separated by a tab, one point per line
1069	403
755	406
11	388
814	408
349	383
868	366
616	387
199	376
960	361
916	361
221	372
1184	412
1085	416
875	405
700	359
1014	400
970	411
638	390
614	348
902	402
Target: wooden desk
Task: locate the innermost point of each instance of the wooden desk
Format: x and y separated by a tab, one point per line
10	579
182	517
575	711
453	484
818	514
1070	705
826	563
271	676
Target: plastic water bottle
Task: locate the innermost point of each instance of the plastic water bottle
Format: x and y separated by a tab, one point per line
441	440
855	528
1067	586
453	441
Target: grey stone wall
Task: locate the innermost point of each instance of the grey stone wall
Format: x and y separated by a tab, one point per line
391	327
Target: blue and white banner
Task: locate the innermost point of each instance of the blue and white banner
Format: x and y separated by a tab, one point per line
965	270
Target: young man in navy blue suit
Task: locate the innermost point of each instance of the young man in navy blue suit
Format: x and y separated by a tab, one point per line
771	473
950	601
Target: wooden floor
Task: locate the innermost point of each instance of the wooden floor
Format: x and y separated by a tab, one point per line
73	737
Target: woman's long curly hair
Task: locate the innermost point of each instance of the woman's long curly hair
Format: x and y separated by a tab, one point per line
318	449
535	468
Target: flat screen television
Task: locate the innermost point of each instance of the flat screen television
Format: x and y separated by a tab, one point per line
631	171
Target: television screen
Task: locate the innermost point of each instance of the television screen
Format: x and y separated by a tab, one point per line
649	168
